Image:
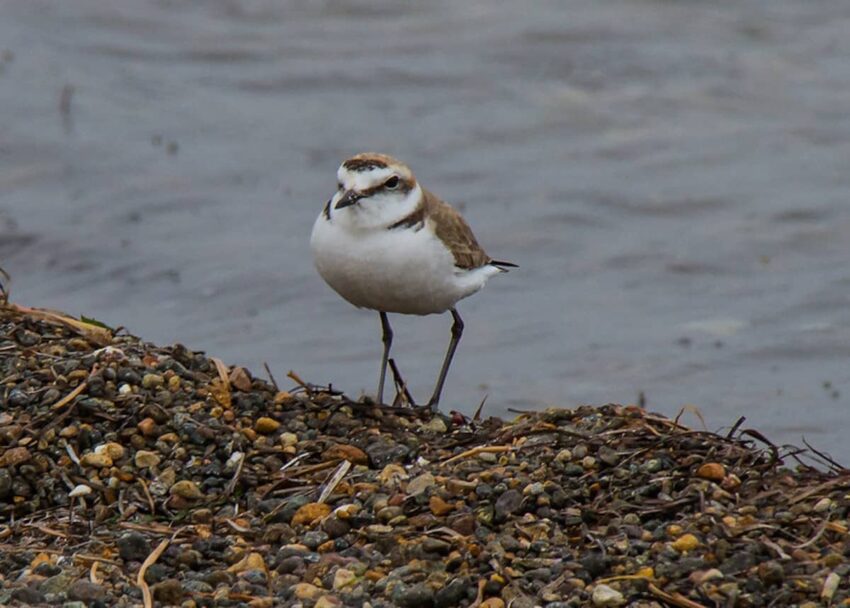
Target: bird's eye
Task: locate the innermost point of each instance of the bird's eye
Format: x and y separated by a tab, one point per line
392	183
339	185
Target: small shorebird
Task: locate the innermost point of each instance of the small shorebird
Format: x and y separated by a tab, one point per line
385	243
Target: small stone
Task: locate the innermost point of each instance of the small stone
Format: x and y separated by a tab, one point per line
384	451
713	471
241	379
493	602
451	595
436	425
114	450
86	591
412	596
573	470
328	601
588	462
5	483
439	507
708	575
347	452
823	505
608	456
343	578
187	489
508	503
306	591
151	381
252	561
28	595
564	455
146	460
830	586
133	547
533	489
310	513
686	542
14	456
288	439
18	398
603	595
95	460
169	592
771	573
265	425
148	427
56	583
420	484
653	465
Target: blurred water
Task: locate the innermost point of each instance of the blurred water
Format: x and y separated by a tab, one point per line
672	177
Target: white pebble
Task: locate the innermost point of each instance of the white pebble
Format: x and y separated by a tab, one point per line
603	595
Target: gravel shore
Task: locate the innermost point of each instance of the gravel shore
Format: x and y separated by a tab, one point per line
133	474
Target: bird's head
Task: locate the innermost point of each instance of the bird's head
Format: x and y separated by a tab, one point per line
374	190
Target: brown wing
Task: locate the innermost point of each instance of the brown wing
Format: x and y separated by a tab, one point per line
453	230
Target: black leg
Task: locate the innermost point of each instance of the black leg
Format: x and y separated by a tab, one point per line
457	332
387	340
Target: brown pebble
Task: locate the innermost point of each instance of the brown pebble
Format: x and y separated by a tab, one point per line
346	452
240	378
187	489
713	471
14	456
169	592
310	513
266	425
148	427
439	507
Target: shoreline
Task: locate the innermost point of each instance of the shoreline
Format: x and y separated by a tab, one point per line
134	474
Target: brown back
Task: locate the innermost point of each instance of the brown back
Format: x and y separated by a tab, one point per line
453	230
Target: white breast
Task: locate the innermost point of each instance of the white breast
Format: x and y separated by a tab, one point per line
401	270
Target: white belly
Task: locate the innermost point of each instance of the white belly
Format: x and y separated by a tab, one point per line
402	270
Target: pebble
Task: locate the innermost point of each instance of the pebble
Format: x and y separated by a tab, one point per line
306	591
133	547
169	592
686	542
343	578
603	595
712	470
265	425
508	504
146	460
420	484
310	513
412	596
187	489
439	507
151	381
86	591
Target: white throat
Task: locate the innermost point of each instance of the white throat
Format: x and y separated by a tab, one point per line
377	212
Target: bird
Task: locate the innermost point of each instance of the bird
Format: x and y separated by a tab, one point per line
385	243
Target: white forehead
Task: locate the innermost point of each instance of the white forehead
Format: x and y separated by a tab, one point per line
360	180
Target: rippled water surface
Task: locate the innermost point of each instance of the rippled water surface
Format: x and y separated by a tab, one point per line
672	176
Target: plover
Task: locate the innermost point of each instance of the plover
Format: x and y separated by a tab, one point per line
385	243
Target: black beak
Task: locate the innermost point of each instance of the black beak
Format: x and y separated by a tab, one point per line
349	198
